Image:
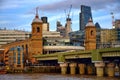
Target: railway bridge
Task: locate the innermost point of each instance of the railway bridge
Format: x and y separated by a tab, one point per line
100	61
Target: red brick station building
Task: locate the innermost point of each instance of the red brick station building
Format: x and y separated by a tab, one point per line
17	54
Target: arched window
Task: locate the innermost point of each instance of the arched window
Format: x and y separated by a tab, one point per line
38	29
26	46
91	32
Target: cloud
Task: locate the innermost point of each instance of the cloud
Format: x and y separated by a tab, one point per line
106	17
56	17
26	15
102	17
75	21
26	27
62	15
4	22
95	4
7	24
7	4
54	10
11	4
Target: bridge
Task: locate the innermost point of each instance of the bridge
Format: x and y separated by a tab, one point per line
100	59
95	55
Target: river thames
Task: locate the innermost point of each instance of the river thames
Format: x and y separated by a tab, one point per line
41	76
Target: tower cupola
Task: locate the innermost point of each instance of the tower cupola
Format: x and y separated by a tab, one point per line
90	23
36	19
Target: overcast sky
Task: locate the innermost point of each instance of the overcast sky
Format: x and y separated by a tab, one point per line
18	14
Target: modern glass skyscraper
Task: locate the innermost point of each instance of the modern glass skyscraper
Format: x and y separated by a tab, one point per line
85	15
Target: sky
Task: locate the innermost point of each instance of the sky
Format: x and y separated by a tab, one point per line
18	14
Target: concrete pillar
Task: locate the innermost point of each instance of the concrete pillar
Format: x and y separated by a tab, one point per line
81	69
119	69
105	70
63	68
100	68
111	69
89	69
73	68
47	52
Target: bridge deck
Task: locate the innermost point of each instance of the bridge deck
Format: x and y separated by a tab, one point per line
96	55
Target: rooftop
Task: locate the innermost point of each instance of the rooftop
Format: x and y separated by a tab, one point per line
90	23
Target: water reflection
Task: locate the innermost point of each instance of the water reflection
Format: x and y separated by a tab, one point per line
40	76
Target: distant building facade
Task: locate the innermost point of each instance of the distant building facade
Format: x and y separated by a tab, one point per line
118	34
60	29
8	36
98	29
45	24
16	58
77	38
85	15
64	30
68	28
117	23
108	38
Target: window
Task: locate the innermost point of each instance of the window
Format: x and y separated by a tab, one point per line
91	33
19	51
23	47
38	29
14	58
26	49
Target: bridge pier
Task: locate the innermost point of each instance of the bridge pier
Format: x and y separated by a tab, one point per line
100	68
81	68
90	69
63	68
111	69
73	68
119	69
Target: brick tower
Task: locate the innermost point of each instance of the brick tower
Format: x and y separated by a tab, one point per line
36	38
90	36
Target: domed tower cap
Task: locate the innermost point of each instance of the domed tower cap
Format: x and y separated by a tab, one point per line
90	23
36	19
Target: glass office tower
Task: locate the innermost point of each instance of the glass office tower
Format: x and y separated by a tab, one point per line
85	15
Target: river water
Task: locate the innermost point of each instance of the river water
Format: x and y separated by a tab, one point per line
40	76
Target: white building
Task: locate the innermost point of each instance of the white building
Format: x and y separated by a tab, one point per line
8	36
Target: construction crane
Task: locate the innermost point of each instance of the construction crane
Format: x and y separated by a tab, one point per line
68	28
69	11
68	14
